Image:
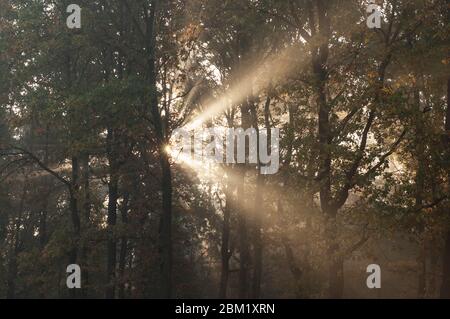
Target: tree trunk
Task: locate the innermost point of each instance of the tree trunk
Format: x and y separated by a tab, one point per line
225	249
123	248
319	60
244	247
14	250
259	205
293	267
73	203
12	262
420	181
257	238
45	190
12	273
422	261
87	224
445	288
43	227
165	232
336	261
165	229
111	222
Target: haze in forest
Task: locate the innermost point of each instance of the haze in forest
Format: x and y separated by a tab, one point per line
91	173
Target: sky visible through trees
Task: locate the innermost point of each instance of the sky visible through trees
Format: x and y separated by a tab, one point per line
224	149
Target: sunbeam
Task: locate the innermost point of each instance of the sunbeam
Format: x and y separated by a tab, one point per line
279	66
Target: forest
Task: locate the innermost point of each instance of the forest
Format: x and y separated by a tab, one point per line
344	111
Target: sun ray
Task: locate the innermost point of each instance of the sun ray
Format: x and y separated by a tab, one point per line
279	66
